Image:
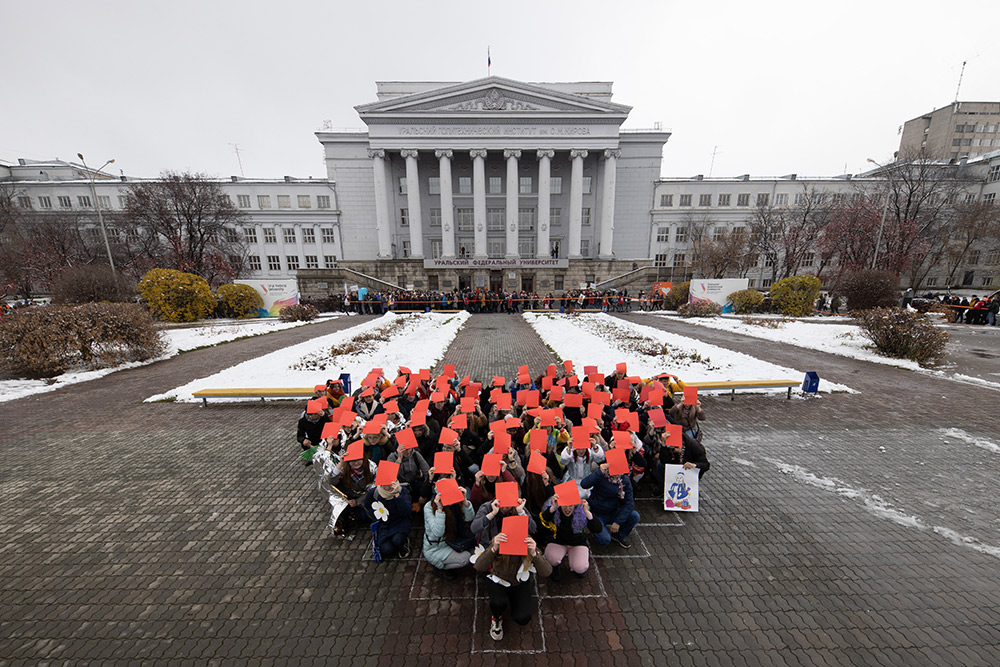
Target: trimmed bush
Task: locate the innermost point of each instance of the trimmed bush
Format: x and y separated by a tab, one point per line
238	301
298	313
175	296
795	295
903	334
49	340
678	296
92	283
746	301
700	309
869	289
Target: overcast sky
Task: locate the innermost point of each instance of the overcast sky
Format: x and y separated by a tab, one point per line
777	87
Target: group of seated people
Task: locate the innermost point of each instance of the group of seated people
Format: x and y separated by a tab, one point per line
513	477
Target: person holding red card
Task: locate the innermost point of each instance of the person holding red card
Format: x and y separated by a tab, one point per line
509	561
612	501
413	471
687	452
689	413
580	461
491	515
352	478
568	518
448	541
388	507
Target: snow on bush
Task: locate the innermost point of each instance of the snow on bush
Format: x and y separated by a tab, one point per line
795	295
903	334
298	313
700	309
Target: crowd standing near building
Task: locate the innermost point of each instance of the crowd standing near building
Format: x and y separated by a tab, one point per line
509	477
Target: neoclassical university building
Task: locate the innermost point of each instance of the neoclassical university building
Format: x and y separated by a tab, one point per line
494	184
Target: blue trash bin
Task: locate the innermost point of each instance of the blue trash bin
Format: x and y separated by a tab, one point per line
810	385
346	379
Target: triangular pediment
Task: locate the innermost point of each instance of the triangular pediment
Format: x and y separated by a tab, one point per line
492	95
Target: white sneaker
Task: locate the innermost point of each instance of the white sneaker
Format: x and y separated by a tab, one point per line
496	629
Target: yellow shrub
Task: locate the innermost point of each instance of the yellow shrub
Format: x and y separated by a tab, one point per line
746	301
176	296
795	295
239	301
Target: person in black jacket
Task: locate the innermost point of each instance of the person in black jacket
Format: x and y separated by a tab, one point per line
569	526
310	428
691	454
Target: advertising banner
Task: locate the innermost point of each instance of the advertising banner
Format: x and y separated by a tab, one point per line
717	291
662	289
276	294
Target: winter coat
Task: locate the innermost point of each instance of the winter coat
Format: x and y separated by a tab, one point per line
311	430
486	529
400	511
413	469
605	502
436	550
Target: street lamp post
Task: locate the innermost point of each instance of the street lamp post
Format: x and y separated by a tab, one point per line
97	205
885	210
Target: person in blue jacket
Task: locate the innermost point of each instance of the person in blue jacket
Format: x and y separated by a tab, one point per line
612	501
388	507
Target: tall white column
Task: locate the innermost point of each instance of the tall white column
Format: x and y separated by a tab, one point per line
544	201
513	189
611	156
413	203
299	247
447	210
576	203
479	198
381	204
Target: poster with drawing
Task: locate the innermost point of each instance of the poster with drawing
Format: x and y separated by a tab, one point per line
680	489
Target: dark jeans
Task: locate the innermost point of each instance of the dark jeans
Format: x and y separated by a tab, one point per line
518	598
390	546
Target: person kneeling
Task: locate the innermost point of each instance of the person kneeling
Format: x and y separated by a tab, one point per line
569	525
448	543
388	506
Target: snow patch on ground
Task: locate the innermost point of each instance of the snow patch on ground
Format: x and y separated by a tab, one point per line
744	462
422	340
974	380
879	507
959	434
605	341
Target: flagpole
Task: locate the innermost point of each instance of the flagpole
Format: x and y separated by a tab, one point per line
489	61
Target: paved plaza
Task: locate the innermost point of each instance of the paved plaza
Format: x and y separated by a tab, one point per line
845	529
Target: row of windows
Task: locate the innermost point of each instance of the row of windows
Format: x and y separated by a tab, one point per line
291	263
971	127
975	142
681	259
495	185
284	201
495	218
288	235
761	199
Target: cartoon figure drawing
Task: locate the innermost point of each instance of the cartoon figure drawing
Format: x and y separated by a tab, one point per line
680	494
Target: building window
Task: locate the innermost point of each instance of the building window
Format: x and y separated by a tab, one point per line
526	219
288	235
263	201
305	201
762	198
253	261
406	248
312	262
555	216
704	200
465	185
404	217
808	259
435	217
585	248
284	201
495	247
524	187
781	199
292	261
800	199
766	282
972	258
322	201
494	219
956	142
269	235
743	199
685	200
993	258
586	185
273	263
987	198
329	261
555	185
243	201
768	261
526	246
993	174
84	201
250	234
104	201
24	202
122	201
586	216
231	235
308	235
932	281
496	185
435	248
45	202
681	235
970	198
466	220
660	260
666	200
839	198
680	259
65	202
718	233
987	281
402	185
434	185
558	282
663	235
723	200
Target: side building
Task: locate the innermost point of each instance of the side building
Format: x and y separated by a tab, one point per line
959	130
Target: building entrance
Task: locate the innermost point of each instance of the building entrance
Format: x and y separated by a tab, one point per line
464	283
496	281
528	284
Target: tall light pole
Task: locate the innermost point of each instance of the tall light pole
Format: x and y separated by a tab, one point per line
97	205
885	210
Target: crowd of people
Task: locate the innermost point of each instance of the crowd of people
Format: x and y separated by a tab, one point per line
972	311
508	477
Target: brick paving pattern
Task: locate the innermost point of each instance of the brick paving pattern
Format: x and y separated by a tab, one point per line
175	534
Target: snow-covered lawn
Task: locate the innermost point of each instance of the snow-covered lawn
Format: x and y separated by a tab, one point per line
417	341
177	340
605	341
843	339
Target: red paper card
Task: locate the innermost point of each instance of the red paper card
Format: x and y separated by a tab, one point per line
595	411
522	370
375	424
508	495
590	370
573	400
655	397
468	404
465	381
533	399
449	491
674	436
387	473
449	370
501	442
355	451
602	397
516	530
590	425
536	463
622	439
620	394
447	436
568	492
621	368
546	383
424	374
550	417
503	402
460	421
550	371
330	430
498	381
573	380
347	403
581	437
617	462
406	438
538	440
568	366
657	418
556	394
391	407
437	397
491	464
444	463
317	405
690	395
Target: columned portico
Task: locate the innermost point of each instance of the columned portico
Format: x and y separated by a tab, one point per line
576	202
512	156
413	203
608	203
544	201
447	212
479	199
381	204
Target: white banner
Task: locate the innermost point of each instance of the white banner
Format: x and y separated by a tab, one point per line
680	488
717	291
498	263
276	294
